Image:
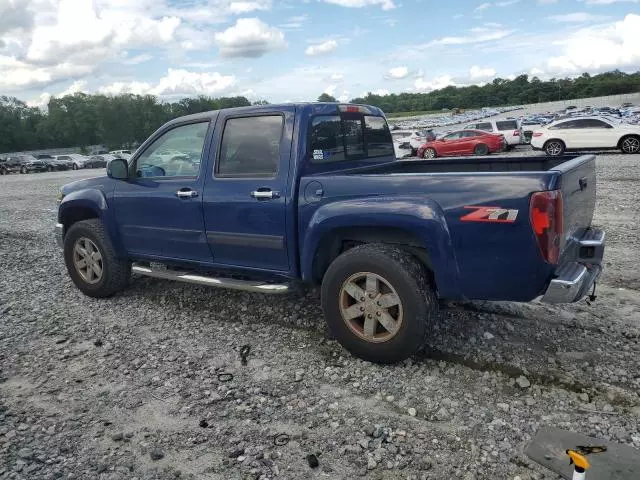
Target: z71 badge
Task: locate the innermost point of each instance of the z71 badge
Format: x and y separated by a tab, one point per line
490	214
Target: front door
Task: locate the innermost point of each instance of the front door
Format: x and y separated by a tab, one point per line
245	206
159	210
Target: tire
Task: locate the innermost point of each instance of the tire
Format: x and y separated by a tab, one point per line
394	270
116	272
481	149
429	153
554	148
630	144
49	168
75	167
23	170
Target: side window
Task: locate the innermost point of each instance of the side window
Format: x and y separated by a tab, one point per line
507	125
377	135
326	139
595	123
176	153
251	147
469	134
486	126
562	126
453	136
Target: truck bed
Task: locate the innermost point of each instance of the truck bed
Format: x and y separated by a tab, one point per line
538	163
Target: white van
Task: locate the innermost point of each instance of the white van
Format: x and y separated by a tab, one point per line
511	128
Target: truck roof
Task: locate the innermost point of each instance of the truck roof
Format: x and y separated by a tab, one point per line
319	108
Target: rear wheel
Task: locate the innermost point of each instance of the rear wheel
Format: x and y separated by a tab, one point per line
91	260
429	153
378	302
75	167
49	168
554	148
481	149
630	144
23	170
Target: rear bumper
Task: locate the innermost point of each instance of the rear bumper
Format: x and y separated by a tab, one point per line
577	275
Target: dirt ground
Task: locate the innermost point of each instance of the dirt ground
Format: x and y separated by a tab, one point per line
150	384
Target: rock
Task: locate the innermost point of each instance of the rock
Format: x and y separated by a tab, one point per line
25	454
503	406
236	453
156	454
523	382
443	415
584	397
299	375
529	401
488	336
369	429
117	437
371	463
312	460
412	411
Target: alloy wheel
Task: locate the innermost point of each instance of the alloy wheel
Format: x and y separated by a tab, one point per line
554	148
371	307
631	145
88	260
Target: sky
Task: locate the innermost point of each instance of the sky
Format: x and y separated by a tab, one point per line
294	50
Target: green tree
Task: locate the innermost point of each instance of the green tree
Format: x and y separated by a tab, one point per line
325	97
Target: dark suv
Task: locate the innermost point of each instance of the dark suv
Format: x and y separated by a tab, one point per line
28	163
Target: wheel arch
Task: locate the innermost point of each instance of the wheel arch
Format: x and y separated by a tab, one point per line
627	135
417	227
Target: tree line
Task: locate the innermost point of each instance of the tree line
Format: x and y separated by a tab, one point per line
126	120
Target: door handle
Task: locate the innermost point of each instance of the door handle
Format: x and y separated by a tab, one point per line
265	194
186	193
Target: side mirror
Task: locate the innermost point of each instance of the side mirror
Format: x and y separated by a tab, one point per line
118	169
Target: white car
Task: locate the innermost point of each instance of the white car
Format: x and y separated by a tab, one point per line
126	154
509	127
79	161
586	133
416	138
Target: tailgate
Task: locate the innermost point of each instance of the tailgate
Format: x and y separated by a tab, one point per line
577	182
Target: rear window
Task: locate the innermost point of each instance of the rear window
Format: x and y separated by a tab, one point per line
507	125
351	136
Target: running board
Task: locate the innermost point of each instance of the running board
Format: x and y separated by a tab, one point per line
228	283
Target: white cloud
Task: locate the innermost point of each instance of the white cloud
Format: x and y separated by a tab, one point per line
615	45
15	14
422	85
385	4
336	77
381	91
321	48
577	17
176	83
246	7
330	90
249	37
18	74
398	72
609	2
41	102
480	35
295	22
75	87
478	73
482	6
142	58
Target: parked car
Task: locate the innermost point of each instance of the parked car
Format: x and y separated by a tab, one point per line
53	163
586	133
77	161
401	143
297	193
126	154
99	161
27	163
463	142
509	127
9	165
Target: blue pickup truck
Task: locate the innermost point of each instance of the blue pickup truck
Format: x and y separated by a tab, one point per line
265	198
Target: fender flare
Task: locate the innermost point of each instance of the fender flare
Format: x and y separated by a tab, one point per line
421	217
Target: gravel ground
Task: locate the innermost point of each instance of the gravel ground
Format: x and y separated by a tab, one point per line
150	384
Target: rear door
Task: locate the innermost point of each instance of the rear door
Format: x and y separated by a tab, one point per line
247	192
598	134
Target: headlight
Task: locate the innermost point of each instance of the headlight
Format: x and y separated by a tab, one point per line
60	196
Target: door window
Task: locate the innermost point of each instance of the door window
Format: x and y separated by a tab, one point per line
486	126
176	153
595	123
251	147
453	136
470	134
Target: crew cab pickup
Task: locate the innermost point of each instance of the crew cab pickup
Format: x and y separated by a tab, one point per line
265	198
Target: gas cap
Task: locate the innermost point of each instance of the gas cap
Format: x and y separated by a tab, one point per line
313	192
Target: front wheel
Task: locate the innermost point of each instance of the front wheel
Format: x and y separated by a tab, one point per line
91	260
23	170
378	302
75	167
630	144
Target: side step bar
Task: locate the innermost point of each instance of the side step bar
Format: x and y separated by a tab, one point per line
229	283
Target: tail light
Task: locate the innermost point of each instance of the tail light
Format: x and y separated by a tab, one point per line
537	134
546	215
516	133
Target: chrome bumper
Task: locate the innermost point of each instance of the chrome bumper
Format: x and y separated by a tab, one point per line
58	231
574	278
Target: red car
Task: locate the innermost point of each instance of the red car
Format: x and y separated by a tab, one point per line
463	142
